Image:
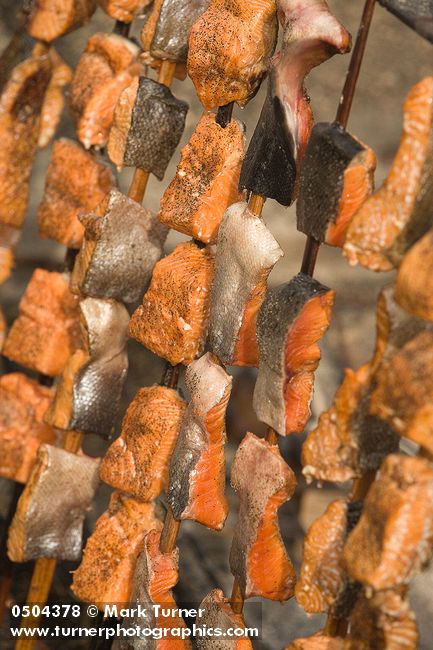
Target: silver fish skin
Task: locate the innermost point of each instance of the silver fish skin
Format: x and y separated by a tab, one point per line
129	242
51	510
172	29
245	249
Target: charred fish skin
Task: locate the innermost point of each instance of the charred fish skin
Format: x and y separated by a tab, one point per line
269	167
157	124
329	152
129	240
49	521
417	14
175	20
245	249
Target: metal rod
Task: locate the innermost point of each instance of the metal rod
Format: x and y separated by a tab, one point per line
224	115
121	28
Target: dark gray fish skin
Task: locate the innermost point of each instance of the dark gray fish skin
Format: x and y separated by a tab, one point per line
329	152
130	242
157	124
172	30
269	167
216	616
417	14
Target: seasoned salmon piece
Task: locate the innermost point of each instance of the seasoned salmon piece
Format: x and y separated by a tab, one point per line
54	101
418	15
337	177
245	255
148	124
322	573
396	216
47	329
291	320
173	319
9	237
318	641
90	387
155	575
21	104
413	279
121	246
50	19
348	441
219	614
106	572
206	180
49	518
258	558
230	47
137	462
23	403
124	10
197	469
76	183
107	66
382	622
403	390
274	157
393	538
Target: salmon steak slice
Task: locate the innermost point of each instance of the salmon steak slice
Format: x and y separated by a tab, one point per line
230	47
107	66
413	278
147	127
121	245
348	441
23	404
9	237
291	321
258	558
319	641
245	255
399	214
138	461
49	518
124	10
76	183
311	35
106	573
337	177
88	393
21	105
219	614
54	101
206	179
173	320
197	468
155	575
50	19
393	538
47	330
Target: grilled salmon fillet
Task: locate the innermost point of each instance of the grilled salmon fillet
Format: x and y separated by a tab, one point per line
124	10
173	319
337	177
155	575
383	622
245	255
106	572
218	614
311	35
258	558
291	320
21	105
23	403
137	462
148	124
107	66
49	518
54	101
122	242
230	47
9	237
50	19
393	538
76	183
88	393
318	641
396	216
413	279
206	180
197	469
47	329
